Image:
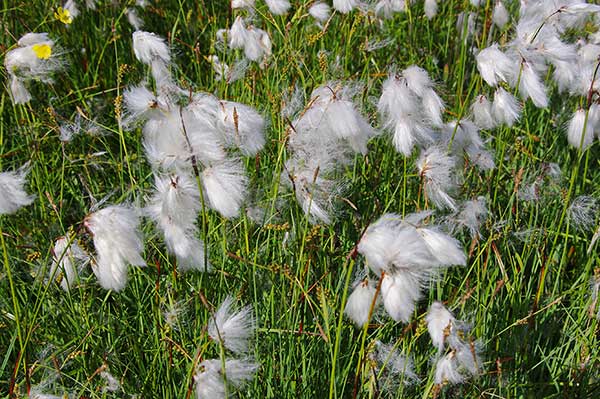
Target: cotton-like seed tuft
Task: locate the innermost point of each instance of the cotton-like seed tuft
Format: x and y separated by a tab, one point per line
118	242
231	328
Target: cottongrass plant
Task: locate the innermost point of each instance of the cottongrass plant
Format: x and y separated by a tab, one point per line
118	243
12	191
322	140
36	57
439	177
470	215
406	255
320	11
213	381
522	63
232	330
393	368
174	207
461	359
194	142
410	109
68	261
256	43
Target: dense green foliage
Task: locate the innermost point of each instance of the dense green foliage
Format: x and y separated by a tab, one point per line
525	289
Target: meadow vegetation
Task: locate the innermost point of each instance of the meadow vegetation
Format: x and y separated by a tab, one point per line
297	208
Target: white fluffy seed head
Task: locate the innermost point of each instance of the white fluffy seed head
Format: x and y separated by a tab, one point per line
149	47
436	168
468	356
72	8
500	15
18	91
446	370
237	34
320	11
396	245
225	187
210	381
139	103
494	66
433	107
482	113
400	292
359	302
257	44
118	242
531	86
439	324
12	191
174	208
231	328
431	7
345	6
506	108
580	133
445	249
242	4
164	142
417	79
67	261
133	18
278	7
241	126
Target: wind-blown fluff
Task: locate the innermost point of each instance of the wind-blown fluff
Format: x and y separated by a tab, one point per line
482	113
436	168
36	58
118	242
407	254
410	108
241	126
67	261
462	358
345	6
12	191
231	328
439	324
359	302
149	47
225	187
174	208
278	7
495	66
320	11
211	379
431	7
255	42
506	108
394	367
152	50
500	16
323	139
580	132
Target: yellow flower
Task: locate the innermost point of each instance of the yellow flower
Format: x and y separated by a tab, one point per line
42	51
63	16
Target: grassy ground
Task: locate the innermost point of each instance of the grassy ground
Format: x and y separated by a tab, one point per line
525	289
